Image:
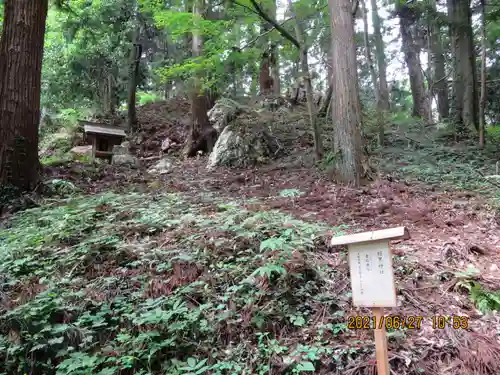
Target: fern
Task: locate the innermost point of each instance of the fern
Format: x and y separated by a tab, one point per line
484	300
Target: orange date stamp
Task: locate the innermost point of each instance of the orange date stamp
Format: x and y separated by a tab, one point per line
406	322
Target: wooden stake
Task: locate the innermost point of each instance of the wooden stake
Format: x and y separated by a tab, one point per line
381	342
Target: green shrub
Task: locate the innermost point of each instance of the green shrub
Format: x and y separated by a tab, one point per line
493	134
148	97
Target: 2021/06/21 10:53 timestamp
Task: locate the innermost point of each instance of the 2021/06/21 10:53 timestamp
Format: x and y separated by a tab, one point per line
407	322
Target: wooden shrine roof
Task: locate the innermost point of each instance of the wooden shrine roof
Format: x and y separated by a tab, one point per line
103	129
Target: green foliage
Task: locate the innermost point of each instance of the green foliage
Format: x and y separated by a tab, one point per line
58	159
145	97
58	135
485	300
493	134
85	49
419	152
290	193
96	289
328	161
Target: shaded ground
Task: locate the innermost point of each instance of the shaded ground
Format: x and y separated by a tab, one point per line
229	272
455	240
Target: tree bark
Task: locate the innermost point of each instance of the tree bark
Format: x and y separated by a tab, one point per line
265	77
368	54
135	59
323	111
465	99
269	77
411	49
346	108
275	70
21	54
482	101
202	135
381	106
439	76
380	55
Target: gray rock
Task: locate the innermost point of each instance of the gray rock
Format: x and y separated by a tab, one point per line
122	149
126	159
223	112
122	156
240	146
82	150
168	144
163	166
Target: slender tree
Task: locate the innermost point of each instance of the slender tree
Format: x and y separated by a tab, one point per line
21	53
380	56
304	65
482	100
381	105
134	63
439	80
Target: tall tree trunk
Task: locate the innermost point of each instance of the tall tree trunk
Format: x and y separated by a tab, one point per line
482	101
135	59
380	54
465	98
21	54
421	105
275	70
202	135
439	76
275	56
304	64
265	79
346	108
254	83
368	54
373	74
269	67
252	67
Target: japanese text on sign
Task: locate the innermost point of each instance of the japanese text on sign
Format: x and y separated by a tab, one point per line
371	274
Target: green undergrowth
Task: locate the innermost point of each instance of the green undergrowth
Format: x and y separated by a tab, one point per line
422	154
142	284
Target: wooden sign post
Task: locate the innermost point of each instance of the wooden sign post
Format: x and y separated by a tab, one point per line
372	280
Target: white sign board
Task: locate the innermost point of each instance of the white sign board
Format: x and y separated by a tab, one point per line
372	277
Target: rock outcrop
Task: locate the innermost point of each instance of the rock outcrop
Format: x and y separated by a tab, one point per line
242	144
163	166
223	112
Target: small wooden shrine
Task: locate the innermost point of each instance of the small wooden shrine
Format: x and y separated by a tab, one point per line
103	138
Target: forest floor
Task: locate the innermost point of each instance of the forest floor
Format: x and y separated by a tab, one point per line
229	272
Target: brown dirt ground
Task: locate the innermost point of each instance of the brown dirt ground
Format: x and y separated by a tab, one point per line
449	231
